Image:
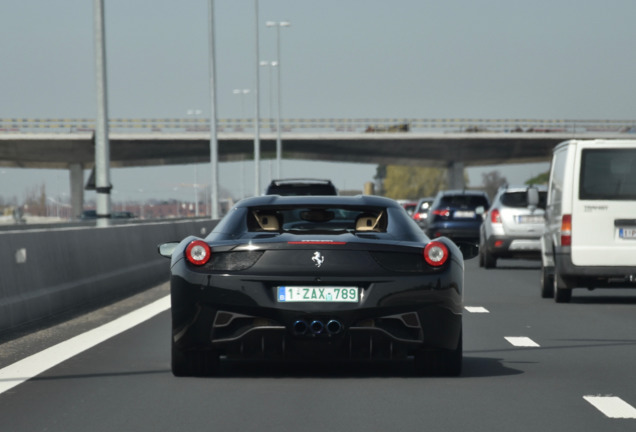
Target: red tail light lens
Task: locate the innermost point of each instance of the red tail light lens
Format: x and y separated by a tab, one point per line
198	252
566	230
443	213
436	254
495	217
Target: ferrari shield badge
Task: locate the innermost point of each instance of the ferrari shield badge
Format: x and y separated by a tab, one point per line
318	259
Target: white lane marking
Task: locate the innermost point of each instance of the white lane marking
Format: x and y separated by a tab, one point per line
612	406
27	368
521	341
476	309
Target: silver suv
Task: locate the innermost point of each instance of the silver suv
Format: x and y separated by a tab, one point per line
513	226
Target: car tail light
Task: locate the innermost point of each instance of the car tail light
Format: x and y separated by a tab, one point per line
416	216
435	253
566	230
499	243
443	213
495	217
198	252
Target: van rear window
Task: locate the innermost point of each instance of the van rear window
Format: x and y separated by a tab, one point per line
520	199
608	174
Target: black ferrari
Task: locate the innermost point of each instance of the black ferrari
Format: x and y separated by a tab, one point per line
316	278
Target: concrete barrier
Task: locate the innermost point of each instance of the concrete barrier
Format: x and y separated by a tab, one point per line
50	271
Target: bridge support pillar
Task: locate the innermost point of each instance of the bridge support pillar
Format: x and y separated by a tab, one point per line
77	189
455	175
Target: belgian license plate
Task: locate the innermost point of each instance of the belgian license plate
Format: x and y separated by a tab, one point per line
627	233
324	294
534	219
464	214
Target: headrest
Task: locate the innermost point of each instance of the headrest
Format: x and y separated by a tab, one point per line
268	221
367	223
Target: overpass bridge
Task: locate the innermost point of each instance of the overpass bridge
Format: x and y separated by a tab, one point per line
448	143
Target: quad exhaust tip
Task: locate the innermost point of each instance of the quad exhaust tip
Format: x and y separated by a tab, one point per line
300	327
316	327
334	327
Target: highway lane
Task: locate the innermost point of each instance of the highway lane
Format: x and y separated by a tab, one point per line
569	351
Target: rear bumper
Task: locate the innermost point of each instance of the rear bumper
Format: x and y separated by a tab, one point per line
241	318
513	247
592	276
454	233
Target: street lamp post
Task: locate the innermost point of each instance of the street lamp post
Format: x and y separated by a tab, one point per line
257	138
270	65
241	93
214	143
279	145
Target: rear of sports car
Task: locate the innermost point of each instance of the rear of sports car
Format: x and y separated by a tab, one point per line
333	296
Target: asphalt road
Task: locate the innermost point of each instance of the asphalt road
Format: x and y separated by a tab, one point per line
530	365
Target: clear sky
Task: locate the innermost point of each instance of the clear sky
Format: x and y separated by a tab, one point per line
506	59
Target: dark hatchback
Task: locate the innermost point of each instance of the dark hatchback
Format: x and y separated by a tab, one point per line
298	187
457	214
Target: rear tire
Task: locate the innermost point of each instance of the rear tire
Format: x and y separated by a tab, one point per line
489	260
547	281
194	363
440	362
562	292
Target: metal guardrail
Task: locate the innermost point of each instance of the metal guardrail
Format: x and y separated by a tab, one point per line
175	125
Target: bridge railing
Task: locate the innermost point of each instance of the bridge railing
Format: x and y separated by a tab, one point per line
340	125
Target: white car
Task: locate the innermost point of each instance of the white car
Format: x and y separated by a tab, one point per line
589	238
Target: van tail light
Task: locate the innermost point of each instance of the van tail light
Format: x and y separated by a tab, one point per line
495	217
198	252
436	254
566	230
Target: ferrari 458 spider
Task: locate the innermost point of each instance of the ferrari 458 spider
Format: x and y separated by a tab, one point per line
320	278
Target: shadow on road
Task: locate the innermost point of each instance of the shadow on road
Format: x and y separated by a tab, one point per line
472	367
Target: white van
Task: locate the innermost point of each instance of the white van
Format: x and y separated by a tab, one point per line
589	240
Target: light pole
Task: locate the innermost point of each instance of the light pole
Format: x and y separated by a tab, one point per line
279	144
270	65
214	143
257	138
241	93
196	113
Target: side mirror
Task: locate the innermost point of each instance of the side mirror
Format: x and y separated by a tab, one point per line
166	249
533	197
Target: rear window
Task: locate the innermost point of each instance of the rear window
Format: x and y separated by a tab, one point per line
317	219
608	174
520	199
471	201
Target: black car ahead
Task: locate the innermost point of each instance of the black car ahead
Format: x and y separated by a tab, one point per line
457	214
300	186
316	278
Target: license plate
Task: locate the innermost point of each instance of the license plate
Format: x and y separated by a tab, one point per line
531	219
464	214
627	233
322	294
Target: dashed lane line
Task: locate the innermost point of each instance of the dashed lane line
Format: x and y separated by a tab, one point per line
476	309
520	341
612	406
